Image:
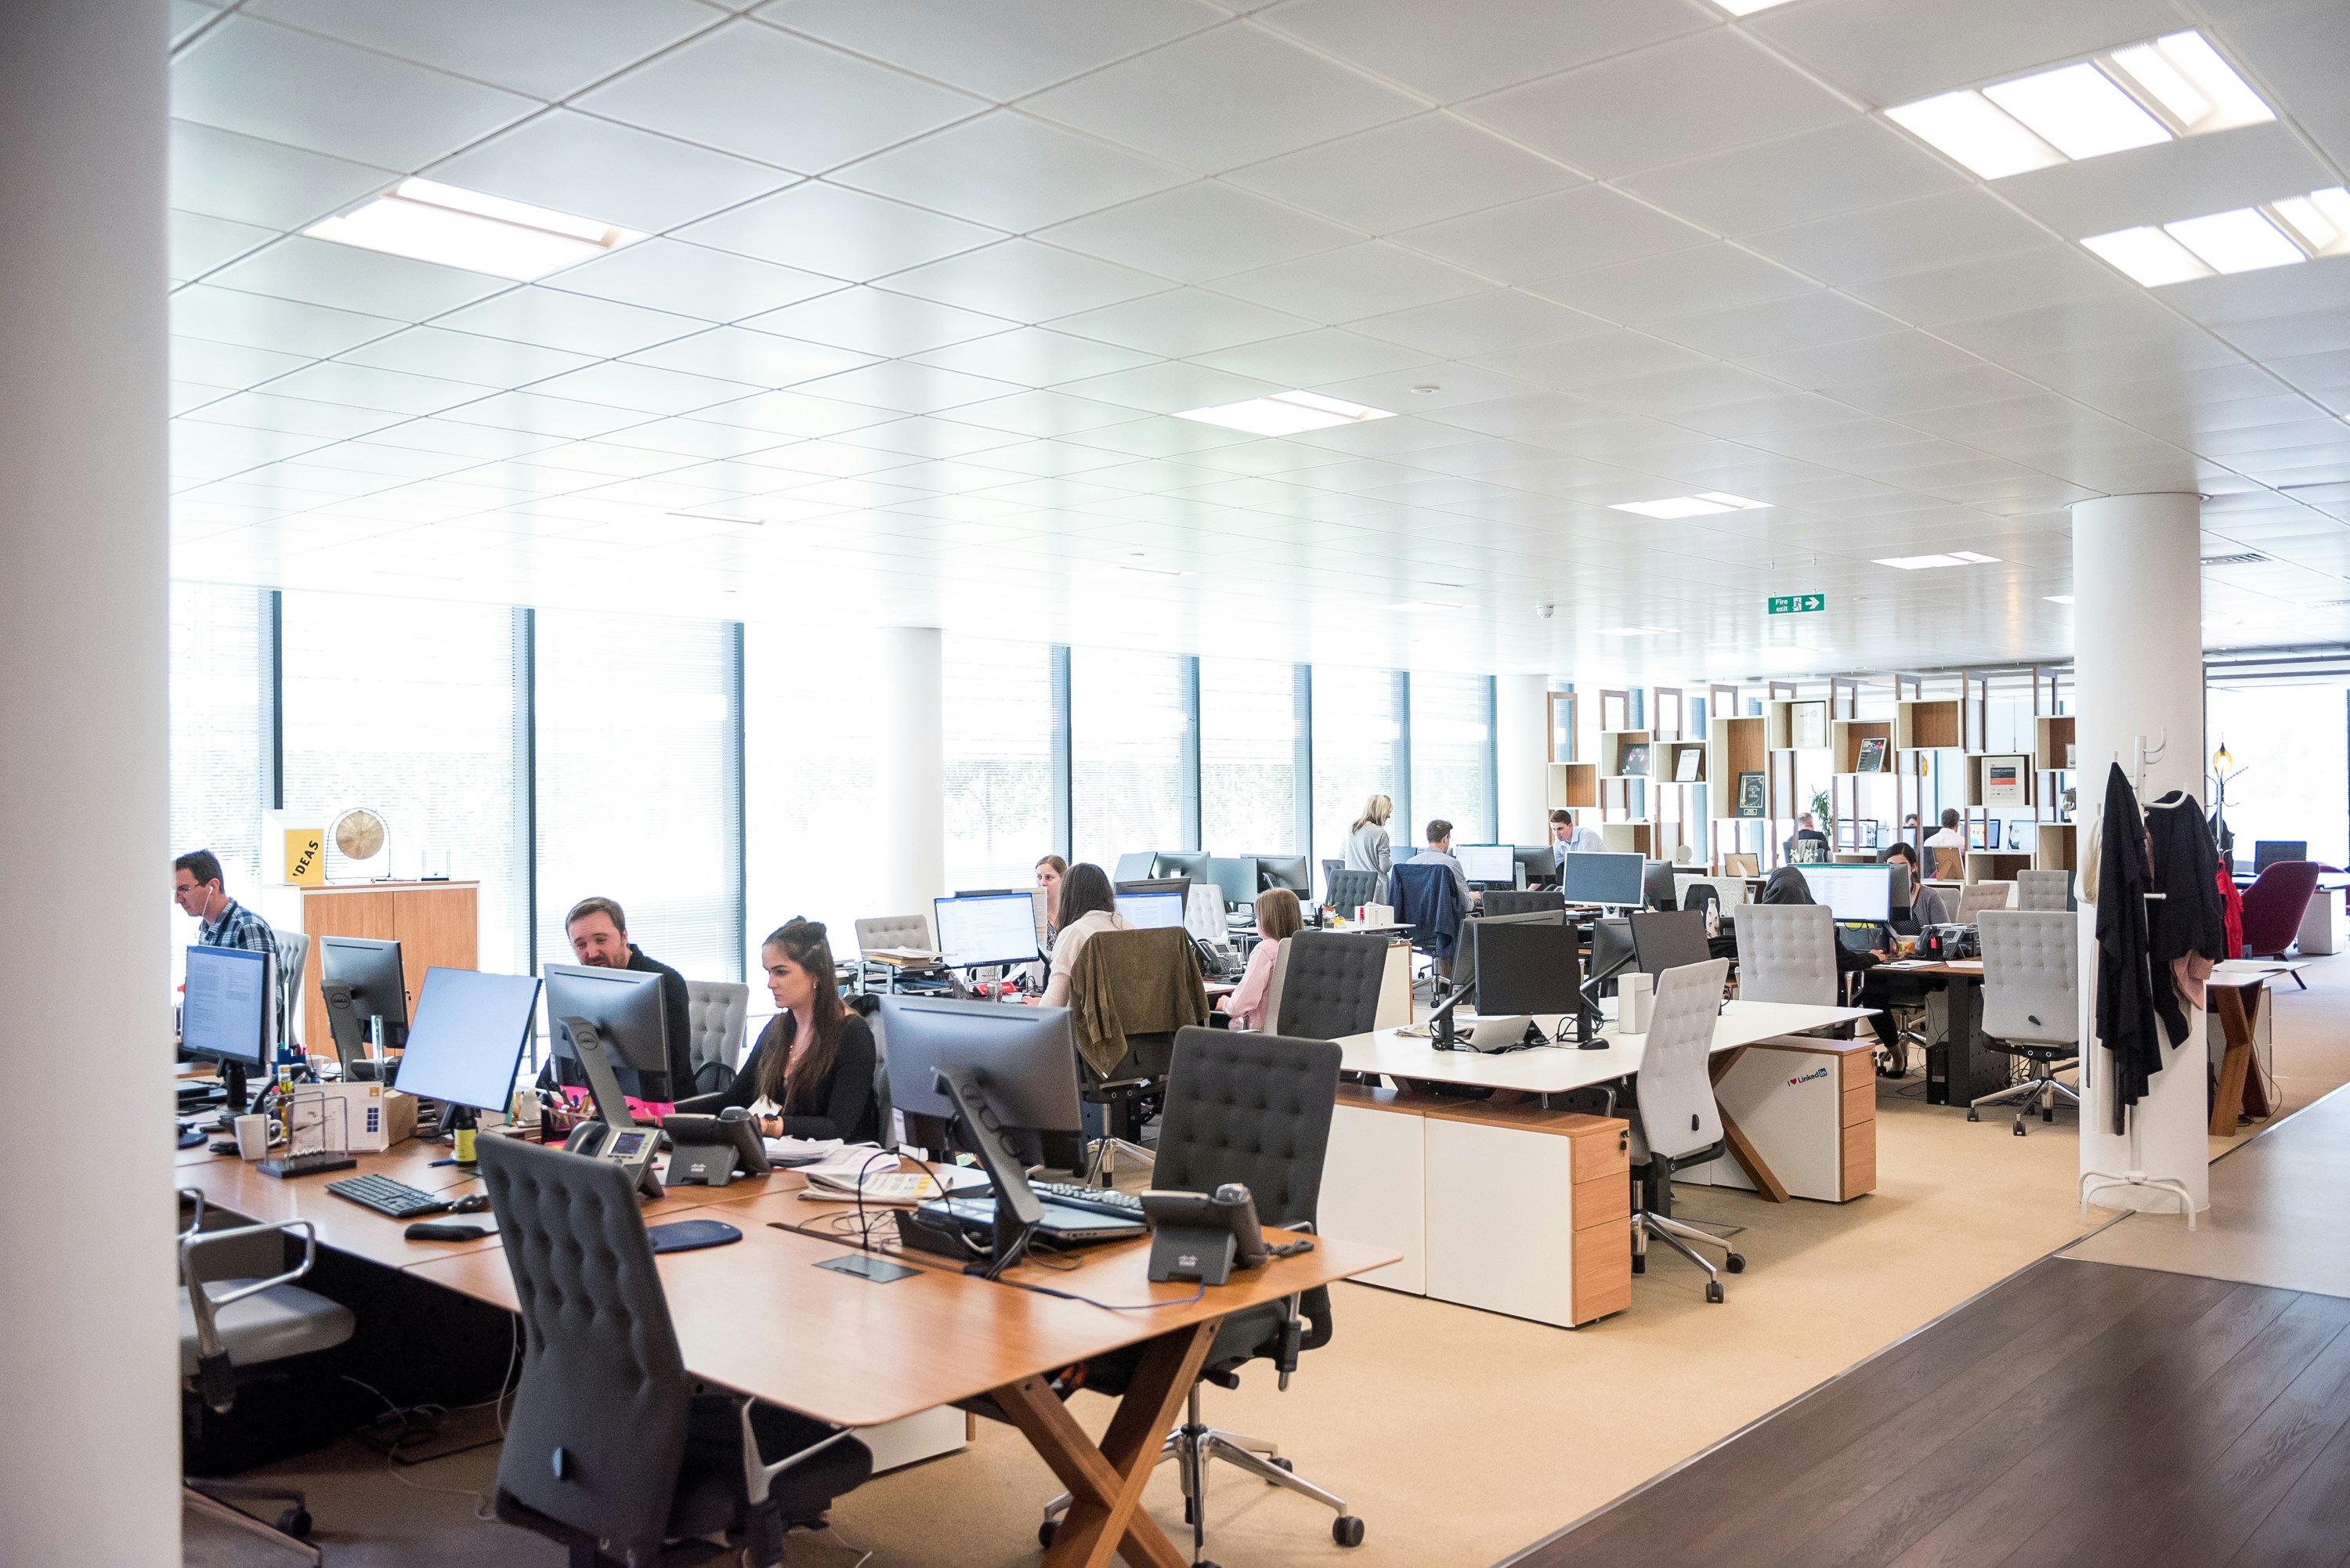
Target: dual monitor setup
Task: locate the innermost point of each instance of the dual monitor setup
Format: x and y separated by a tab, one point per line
1519	966
1239	877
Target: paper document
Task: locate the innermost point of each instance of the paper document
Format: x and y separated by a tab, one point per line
802	1150
893	1186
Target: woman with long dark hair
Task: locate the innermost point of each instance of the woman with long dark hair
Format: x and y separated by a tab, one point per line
811	1073
1088	905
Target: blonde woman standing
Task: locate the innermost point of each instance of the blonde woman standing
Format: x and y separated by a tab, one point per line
1368	847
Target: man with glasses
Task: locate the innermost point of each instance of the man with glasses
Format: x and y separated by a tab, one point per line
197	888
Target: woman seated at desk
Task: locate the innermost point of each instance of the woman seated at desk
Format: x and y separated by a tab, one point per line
811	1073
1925	903
1787	886
1278	918
1089	906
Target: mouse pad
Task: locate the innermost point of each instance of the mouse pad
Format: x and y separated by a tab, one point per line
689	1235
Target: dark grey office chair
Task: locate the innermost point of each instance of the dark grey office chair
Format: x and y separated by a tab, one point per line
1255	1109
1350	890
612	1449
1330	985
1522	901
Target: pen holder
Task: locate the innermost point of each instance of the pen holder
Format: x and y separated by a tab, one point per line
1634	994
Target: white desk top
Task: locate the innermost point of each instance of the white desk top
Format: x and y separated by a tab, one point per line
1553	1070
2238	972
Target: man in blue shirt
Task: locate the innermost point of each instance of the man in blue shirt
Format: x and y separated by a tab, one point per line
197	888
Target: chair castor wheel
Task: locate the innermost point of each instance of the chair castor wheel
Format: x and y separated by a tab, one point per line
1737	1263
296	1523
1714	1292
1973	1114
1047	1531
2019	1127
2048	1112
1639	1263
1279	1463
1346	1530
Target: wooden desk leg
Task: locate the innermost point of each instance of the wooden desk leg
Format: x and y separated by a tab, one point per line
2235	1064
1106	1517
1742	1147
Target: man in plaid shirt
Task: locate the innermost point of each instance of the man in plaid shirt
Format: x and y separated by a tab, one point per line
196	888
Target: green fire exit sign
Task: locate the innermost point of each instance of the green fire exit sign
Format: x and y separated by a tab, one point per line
1797	603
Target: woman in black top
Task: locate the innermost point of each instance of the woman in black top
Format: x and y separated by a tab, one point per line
811	1073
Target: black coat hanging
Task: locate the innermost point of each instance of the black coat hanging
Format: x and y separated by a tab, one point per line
2126	1004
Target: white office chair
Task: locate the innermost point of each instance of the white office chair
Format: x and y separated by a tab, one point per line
2032	1004
2040	889
715	1011
1676	1122
1786	953
292	955
1977	896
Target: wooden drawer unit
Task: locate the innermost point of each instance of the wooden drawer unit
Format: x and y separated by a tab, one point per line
1806	1108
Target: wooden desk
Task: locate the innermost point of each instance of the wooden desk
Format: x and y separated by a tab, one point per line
2236	1000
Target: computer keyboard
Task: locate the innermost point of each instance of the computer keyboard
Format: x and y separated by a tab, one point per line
385	1196
1093	1200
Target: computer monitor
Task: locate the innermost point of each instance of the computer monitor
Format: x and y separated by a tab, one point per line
1525	966
1294	872
1668	940
1656	884
1158	884
1538	861
359	979
1612	951
1464	953
1896	885
471	1029
225	1013
2267	852
1137	867
1190	863
1151	912
1233	875
1488	864
623	1006
986	929
1852	893
1598	877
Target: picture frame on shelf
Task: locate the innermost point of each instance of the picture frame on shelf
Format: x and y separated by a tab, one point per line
1750	795
2004	780
1809	722
1687	763
1633	760
1872	755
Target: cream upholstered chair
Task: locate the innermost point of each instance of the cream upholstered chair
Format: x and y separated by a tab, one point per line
293	956
715	1011
2032	1004
1977	896
1676	1122
1786	953
894	931
2040	889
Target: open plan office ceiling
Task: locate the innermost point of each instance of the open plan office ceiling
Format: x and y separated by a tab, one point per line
888	309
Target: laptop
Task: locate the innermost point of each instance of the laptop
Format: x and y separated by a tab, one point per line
1061	1223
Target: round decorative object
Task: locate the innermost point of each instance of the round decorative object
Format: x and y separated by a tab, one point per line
360	834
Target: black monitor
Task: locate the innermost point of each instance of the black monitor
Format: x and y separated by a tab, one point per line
1612	951
1182	884
1897	886
361	980
2267	852
1136	868
469	1036
623	1006
1598	877
1187	863
1538	861
1657	885
1526	966
981	929
225	1015
1464	953
1234	876
1663	940
1294	872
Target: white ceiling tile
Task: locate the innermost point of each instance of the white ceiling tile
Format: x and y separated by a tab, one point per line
1777	326
1011	172
844	234
2293	291
310	92
546	48
1929	231
907	388
225	175
466	357
1200	231
578	322
2182	179
1665	104
1170	388
1182	322
364	386
1610	355
694	280
1892	51
1036	413
531	414
687	438
1002	51
296	415
1483	323
873	322
1353	281
464	439
1024	281
611	174
1526	242
1414	171
1815	175
795	413
1704	277
620	385
1314	359
759	358
1450	54
199	243
1426	388
256	321
1035	356
926	438
320	272
749	89
216	364
1269	97
2053	274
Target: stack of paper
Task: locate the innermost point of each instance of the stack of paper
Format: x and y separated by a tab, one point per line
885	1184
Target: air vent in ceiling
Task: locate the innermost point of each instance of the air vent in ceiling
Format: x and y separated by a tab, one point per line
2242	558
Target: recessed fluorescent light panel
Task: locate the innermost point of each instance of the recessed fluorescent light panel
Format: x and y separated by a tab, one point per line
2136	97
2277	234
1704	505
1747	7
427	220
1928	563
1287	413
2060	598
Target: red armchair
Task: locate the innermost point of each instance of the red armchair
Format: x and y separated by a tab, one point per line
2273	906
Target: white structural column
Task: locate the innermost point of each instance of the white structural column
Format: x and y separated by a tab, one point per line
1521	748
911	770
2137	599
89	1356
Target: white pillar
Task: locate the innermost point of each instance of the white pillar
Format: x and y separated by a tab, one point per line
89	1357
2137	637
911	771
1521	750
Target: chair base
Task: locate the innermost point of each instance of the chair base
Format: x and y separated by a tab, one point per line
1647	1223
210	1498
1103	1155
1192	1446
2037	1093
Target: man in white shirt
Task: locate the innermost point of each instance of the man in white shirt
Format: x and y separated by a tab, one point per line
1568	838
1950	838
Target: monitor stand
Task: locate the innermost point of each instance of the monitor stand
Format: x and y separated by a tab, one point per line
350	1038
1018	1211
611	1105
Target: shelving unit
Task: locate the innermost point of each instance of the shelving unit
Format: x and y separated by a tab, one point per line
1573	786
1612	743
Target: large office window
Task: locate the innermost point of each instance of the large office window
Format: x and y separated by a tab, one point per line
1129	729
1248	756
812	827
220	746
636	770
1453	755
406	707
2289	741
1359	743
998	750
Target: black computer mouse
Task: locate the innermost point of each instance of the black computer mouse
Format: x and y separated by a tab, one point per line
471	1203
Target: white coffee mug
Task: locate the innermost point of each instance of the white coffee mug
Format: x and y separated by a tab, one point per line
253	1137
